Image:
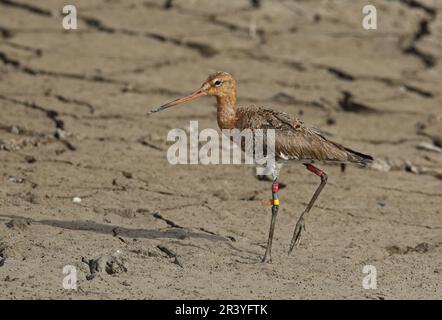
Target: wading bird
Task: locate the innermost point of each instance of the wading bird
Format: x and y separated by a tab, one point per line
293	141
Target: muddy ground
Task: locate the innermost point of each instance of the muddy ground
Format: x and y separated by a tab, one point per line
73	124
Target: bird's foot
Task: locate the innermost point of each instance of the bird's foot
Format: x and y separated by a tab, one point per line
266	259
297	234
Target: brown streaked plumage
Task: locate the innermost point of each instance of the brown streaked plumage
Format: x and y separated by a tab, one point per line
293	140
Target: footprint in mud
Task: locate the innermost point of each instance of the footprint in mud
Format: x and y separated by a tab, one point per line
419	248
106	264
18	224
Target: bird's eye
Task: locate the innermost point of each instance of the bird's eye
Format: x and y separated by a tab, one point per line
217	83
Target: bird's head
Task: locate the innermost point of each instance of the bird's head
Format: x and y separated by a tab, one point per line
219	84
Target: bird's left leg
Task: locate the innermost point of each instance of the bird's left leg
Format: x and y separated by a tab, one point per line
275	207
300	224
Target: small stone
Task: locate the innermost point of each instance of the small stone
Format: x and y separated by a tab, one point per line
76	200
15	130
331	121
30	159
16	179
127	175
381	165
428	147
127	88
411	168
60	134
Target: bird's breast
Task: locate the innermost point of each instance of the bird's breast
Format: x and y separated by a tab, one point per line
227	118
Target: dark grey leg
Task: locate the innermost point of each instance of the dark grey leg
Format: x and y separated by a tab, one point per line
275	207
300	224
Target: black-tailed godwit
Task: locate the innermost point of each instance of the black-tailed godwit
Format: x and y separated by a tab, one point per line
294	141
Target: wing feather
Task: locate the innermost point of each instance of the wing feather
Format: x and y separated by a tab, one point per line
295	140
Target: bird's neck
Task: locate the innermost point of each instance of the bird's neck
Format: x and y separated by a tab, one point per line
226	114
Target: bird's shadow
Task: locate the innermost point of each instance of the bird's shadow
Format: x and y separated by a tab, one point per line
114	230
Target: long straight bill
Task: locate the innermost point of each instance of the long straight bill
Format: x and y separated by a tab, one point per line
196	94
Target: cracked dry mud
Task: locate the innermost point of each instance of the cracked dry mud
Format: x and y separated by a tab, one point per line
73	124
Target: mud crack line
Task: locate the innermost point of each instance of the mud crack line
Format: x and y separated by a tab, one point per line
169	222
203	49
27	7
422	31
17	65
51	114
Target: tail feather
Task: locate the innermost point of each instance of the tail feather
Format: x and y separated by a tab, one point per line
359	157
353	156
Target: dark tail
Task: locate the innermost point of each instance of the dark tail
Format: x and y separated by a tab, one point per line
358	157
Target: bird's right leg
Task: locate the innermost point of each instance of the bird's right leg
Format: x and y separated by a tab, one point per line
300	224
